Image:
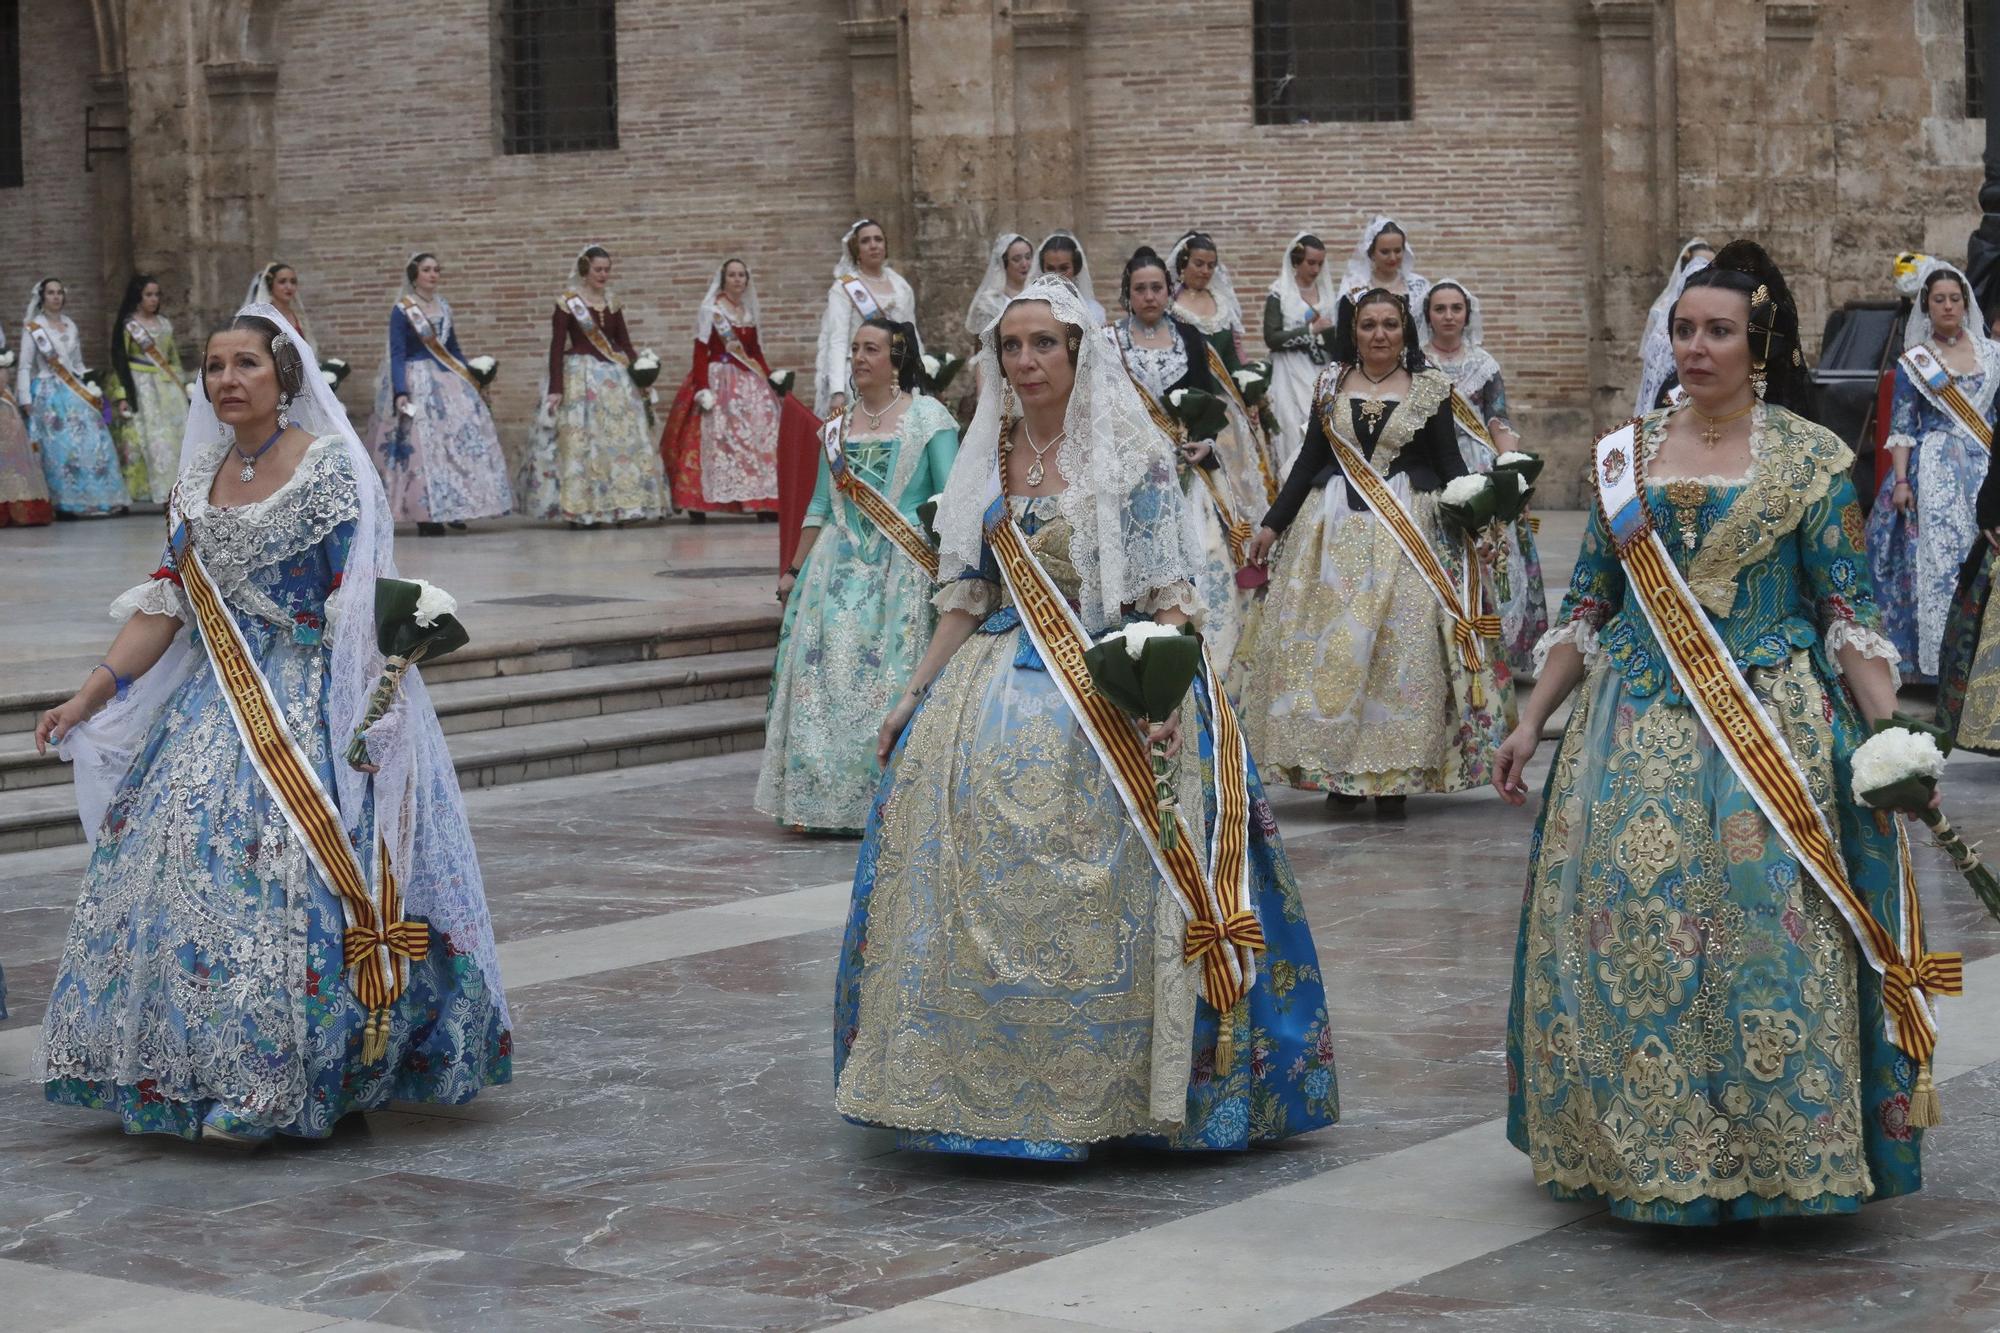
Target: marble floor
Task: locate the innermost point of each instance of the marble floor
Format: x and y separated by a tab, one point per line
668	1157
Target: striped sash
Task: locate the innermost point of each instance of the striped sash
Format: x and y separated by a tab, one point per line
1745	734
1460	606
1234	530
53	355
426	332
1223	933
579	310
886	517
1468	420
1931	375
142	338
1260	448
377	955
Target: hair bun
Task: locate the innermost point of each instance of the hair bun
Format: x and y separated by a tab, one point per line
1751	259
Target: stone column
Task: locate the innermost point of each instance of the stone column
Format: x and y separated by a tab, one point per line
877	54
959	181
239	182
110	197
1983	250
1049	125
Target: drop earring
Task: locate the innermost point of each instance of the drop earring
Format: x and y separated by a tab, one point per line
1758	380
284	411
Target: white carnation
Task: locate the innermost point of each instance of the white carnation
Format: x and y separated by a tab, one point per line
330	378
931	366
705	400
1465	490
646	360
6	358
1512	457
1245	378
1136	634
483	364
1176	396
1890	756
433	603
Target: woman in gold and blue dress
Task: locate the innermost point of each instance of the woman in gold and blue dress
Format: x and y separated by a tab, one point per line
1694	1039
235	971
149	391
1014	979
67	419
857	607
1969	662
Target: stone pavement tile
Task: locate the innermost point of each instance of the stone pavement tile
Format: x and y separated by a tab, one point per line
873	1270
941	1316
49	1300
1406	1312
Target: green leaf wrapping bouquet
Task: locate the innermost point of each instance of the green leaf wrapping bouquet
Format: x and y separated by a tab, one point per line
1467	504
1146	669
940	371
414	622
1200	412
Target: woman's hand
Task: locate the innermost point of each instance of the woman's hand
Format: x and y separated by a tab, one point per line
552	402
59	721
402	404
1511	761
1167	735
1258	552
892	727
786	582
1903	497
1194	451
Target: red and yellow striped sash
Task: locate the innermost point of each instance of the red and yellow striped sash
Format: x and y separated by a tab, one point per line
1235	531
1748	739
1260	448
426	332
376	955
1223	932
142	338
1462	609
1463	412
91	397
579	310
888	520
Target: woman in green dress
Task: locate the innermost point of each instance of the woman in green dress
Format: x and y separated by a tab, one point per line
150	392
857	607
1694	1038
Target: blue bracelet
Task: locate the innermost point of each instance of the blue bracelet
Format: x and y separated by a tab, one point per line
119	683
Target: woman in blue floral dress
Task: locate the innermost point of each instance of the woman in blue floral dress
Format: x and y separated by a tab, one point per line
206	988
857	608
1693	1037
66	413
1013	981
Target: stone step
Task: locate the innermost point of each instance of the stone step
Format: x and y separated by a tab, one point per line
562	648
45	816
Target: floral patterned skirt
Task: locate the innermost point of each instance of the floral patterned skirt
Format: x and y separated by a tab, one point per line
445	464
596	463
1011	980
1692	1037
149	440
202	979
1969	664
79	460
1352	684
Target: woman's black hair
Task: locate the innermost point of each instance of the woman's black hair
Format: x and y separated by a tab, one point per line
1347	347
416	262
1387	228
1188	244
285	356
1297	254
1060	245
1144	257
590	256
904	354
1773	329
135	292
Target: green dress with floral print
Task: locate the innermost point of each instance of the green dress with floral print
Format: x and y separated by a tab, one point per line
1694	1038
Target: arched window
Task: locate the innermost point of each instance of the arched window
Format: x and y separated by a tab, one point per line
557	75
1330	60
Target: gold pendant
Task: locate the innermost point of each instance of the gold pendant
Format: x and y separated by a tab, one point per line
1371	412
1035	473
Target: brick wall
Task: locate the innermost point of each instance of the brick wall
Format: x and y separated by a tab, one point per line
45	226
733	139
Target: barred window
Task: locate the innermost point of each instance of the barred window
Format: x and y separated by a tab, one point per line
1975	37
10	94
558	75
1330	60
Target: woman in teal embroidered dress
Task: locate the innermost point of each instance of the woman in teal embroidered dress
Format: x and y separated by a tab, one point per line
1012	981
1694	1038
857	609
203	990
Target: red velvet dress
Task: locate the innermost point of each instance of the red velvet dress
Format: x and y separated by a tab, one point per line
726	459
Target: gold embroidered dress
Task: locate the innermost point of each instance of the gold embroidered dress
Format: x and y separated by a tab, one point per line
1352	683
1692	1037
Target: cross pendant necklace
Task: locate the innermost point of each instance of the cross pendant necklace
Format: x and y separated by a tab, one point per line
1710	436
249	470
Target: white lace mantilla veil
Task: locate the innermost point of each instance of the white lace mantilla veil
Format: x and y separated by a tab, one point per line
429	841
1656	346
704	315
1287	291
991	294
260	291
1918	330
1086	288
1360	273
1476	363
1131	541
1219	284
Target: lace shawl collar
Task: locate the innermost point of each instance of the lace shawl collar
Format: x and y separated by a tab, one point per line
1469	369
1793	463
1429	390
1988	353
237	541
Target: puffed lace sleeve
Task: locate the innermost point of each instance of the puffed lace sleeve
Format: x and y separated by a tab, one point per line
971	592
1831	538
1596	592
159	595
1178	596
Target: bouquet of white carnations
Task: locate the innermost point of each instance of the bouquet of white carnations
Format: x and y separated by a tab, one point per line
333	370
1146	669
1516	471
704	399
940	371
413	620
1199	411
1898	769
1470	502
7	358
646	368
781	381
483	369
1253	381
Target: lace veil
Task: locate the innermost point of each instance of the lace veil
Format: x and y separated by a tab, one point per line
1131	541
1918	330
1473	365
704	315
1219	284
1086	289
847	266
1656	345
424	825
991	295
260	292
1287	291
